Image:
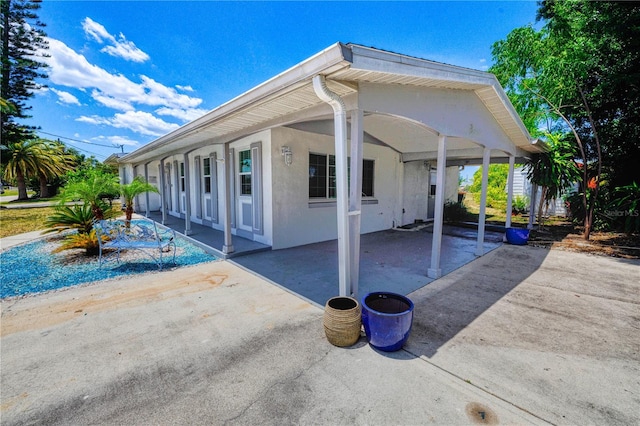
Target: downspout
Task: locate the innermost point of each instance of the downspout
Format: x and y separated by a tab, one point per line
340	123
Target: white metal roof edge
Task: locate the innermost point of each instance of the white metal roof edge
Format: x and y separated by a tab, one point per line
430	69
512	111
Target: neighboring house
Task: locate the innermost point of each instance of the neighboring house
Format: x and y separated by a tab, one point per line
273	165
522	187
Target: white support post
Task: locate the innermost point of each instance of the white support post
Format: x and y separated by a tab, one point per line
436	244
355	199
340	123
146	194
532	204
187	196
163	194
227	247
507	222
342	200
486	158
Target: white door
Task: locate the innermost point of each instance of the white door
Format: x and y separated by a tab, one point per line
244	191
167	187
183	197
206	188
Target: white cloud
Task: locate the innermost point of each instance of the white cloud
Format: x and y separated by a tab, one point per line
119	47
159	94
184	88
94	119
65	98
135	121
182	114
111	102
482	61
71	69
117	140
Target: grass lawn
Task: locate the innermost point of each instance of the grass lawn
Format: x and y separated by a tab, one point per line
18	221
11	191
495	216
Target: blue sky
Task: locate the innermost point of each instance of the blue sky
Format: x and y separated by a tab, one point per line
123	73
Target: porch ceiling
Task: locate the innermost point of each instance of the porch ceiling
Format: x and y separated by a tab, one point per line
284	98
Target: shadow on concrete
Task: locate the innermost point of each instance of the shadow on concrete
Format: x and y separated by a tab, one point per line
448	306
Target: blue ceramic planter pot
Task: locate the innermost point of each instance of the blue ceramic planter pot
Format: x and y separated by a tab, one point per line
387	319
517	236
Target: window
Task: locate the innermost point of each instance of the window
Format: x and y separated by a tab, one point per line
317	176
322	176
245	172
367	178
206	175
182	177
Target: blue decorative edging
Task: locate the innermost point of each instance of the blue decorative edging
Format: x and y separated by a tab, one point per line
31	268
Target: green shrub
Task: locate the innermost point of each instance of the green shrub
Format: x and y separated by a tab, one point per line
78	216
624	209
519	204
87	241
455	212
496	186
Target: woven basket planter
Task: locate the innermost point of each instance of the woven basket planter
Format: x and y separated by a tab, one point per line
342	321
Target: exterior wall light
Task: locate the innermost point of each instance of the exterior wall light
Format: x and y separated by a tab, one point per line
288	155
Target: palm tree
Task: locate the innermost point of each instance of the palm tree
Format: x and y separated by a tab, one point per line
554	170
25	160
59	161
94	189
130	190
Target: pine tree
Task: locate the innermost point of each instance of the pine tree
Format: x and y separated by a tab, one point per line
23	43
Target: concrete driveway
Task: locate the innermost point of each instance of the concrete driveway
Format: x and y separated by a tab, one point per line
519	336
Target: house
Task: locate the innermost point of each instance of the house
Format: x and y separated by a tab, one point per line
352	140
523	187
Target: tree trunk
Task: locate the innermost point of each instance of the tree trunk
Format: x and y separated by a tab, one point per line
22	186
587	225
594	198
128	214
44	188
97	212
543	194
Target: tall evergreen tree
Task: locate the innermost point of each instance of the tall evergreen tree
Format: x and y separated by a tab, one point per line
23	43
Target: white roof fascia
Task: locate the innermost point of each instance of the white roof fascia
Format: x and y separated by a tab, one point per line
512	111
325	62
368	59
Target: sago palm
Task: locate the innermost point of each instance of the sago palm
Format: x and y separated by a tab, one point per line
78	217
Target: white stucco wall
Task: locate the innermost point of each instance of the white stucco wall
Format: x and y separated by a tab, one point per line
434	108
415	192
417	201
140	205
297	220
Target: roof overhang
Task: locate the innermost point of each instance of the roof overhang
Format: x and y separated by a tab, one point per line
283	99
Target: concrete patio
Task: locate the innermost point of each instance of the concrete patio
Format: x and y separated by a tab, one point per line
520	336
392	260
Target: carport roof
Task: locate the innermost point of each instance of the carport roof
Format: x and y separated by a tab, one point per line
277	101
